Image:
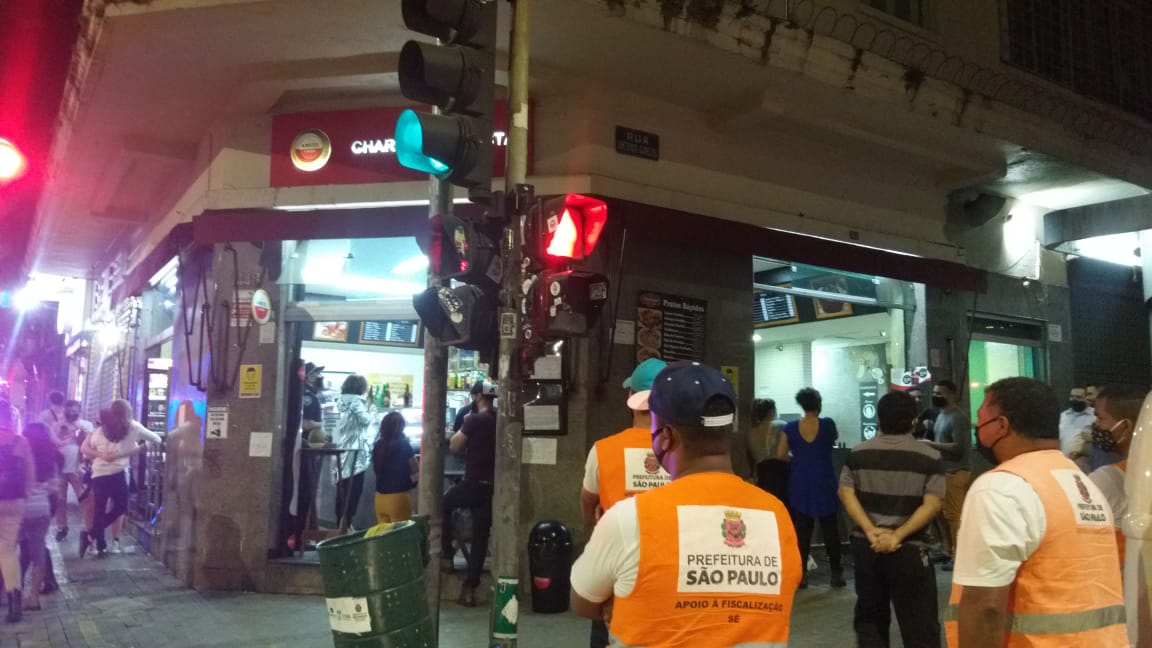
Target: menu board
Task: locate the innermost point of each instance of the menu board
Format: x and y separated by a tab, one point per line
773	309
391	333
670	327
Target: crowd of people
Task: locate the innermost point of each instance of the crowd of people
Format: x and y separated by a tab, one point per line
38	464
685	552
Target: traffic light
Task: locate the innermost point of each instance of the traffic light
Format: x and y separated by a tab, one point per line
459	77
464	316
564	229
465	250
12	162
568	303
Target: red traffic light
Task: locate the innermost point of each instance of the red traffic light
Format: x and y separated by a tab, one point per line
12	163
567	227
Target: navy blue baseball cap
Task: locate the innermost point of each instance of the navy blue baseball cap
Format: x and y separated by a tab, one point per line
682	390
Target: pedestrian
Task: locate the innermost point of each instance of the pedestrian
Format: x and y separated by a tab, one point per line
54	414
68	436
393	462
654	558
770	469
1036	562
353	435
953	430
477	437
892	486
812	484
37	511
622	465
1076	418
1117	409
111	448
17	474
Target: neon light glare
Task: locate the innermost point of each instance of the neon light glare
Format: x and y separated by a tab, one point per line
11	161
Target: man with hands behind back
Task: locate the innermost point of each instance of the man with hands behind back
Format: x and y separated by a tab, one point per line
892	486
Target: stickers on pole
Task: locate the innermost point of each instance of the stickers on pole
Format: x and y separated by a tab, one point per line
217	427
250	380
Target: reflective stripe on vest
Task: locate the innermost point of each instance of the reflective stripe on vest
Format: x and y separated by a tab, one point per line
626	466
613	642
1068	592
718	566
1056	623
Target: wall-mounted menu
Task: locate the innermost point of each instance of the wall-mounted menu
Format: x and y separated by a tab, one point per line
394	332
670	327
772	309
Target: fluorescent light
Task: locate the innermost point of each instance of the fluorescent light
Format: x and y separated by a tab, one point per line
372	285
411	266
26	299
361	205
756	337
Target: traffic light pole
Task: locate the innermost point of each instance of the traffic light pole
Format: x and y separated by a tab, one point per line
506	525
430	495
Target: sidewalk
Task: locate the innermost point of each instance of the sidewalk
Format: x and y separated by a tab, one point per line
130	601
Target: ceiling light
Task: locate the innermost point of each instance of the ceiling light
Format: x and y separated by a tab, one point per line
26	299
756	337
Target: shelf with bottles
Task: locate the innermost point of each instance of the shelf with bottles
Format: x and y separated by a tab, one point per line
390	395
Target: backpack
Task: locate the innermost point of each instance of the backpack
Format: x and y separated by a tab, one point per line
12	486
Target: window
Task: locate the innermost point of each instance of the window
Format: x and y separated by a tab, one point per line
913	11
1092	48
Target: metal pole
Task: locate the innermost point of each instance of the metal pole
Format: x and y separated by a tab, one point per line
430	493
507	542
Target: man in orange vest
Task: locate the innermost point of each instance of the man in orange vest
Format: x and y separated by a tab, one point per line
622	464
709	559
1036	563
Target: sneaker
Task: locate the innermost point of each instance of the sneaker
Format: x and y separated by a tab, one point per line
61	534
115	548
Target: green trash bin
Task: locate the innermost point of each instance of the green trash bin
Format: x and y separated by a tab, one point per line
374	589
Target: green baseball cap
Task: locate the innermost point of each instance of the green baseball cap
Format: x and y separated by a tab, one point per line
641	379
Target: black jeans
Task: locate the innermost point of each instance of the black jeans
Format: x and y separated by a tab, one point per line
108	487
829	530
348	492
477	497
599	636
905	580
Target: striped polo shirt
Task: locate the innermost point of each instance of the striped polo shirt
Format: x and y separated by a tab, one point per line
891	473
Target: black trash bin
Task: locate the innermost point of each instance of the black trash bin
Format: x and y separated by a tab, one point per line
550	562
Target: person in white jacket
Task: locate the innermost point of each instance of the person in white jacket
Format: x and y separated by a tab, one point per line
353	434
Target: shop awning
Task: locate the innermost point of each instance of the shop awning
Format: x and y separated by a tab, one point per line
169	247
684	229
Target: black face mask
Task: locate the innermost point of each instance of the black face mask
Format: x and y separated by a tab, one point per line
1102	438
939	401
986	450
1077	405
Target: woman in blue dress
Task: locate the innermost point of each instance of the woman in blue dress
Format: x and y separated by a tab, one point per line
812	484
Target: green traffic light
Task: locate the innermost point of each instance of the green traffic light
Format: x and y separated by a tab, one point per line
410	147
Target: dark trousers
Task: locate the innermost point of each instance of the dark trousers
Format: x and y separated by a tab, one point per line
829	530
109	487
905	580
348	492
477	497
772	476
599	638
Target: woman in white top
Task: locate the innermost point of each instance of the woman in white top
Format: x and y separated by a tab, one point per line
111	448
354	434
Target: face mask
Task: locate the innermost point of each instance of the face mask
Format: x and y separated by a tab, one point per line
1102	438
986	450
939	401
1077	405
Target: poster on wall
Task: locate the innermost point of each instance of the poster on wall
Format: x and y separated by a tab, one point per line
829	307
869	422
330	331
670	327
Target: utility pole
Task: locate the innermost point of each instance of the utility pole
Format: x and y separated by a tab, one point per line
430	495
506	524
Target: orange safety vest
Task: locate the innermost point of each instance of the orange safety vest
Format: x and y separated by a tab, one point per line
627	466
1067	594
719	566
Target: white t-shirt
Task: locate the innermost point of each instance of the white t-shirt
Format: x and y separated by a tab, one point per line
1001	525
1110	481
101	444
68	443
1073	423
592	472
611	559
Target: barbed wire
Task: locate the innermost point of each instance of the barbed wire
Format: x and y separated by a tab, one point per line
931	61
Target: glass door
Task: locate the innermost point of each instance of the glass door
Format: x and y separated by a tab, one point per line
990	361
